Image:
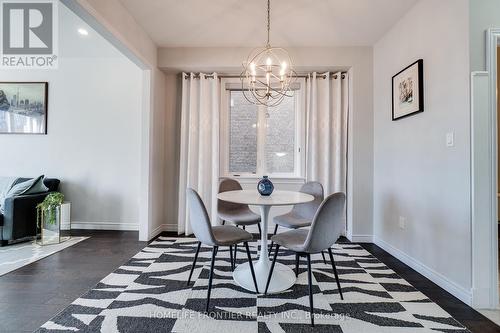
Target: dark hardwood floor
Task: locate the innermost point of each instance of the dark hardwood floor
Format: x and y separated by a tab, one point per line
34	293
467	316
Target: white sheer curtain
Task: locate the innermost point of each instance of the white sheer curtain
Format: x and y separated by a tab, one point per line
327	106
199	155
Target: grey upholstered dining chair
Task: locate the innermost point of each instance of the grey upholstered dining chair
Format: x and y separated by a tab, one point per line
224	235
301	215
237	214
326	228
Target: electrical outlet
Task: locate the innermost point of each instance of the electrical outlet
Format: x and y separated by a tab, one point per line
402	222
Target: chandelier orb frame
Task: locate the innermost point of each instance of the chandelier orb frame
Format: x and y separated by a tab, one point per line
268	73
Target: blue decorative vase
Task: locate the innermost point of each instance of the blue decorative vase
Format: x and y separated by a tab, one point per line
265	186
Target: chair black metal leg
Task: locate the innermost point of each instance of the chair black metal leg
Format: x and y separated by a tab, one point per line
244	228
231	257
260	231
214	252
235	252
194	263
323	255
297	258
223	222
272	268
335	272
274	233
309	279
251	268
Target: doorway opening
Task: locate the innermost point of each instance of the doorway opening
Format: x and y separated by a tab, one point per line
144	213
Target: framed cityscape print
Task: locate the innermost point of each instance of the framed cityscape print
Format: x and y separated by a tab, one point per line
408	91
23	107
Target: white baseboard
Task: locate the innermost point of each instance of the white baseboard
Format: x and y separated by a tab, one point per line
117	226
361	238
102	226
161	228
170	227
458	291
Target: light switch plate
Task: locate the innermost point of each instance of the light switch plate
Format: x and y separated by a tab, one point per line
402	222
450	139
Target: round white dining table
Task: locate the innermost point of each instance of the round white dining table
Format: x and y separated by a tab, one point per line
283	277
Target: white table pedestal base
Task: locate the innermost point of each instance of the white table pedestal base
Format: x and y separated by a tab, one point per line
283	277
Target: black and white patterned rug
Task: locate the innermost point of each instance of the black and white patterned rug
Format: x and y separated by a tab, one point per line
149	294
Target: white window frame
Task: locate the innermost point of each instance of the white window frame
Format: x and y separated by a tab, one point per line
229	84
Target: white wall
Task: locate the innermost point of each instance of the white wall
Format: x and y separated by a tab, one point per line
114	22
358	59
157	151
171	148
93	141
415	175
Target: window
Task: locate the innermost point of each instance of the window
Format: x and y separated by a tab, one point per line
243	123
256	140
280	144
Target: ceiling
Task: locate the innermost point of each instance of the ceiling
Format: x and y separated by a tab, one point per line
240	23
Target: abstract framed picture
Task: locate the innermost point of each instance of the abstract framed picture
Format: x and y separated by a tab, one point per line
23	107
408	91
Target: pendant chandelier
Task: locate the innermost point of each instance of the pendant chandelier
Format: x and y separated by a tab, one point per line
268	73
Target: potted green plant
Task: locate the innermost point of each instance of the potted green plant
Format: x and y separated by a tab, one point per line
48	216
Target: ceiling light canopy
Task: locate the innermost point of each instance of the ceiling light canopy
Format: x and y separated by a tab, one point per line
268	73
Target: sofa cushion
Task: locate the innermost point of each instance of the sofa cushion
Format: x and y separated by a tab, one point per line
37	187
21	180
23	188
52	184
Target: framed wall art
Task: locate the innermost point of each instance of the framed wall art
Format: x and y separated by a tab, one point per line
23	107
408	91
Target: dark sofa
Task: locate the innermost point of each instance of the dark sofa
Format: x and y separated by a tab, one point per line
19	219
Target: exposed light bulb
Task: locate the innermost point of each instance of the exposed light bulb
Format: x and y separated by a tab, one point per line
253	72
269	62
252	68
